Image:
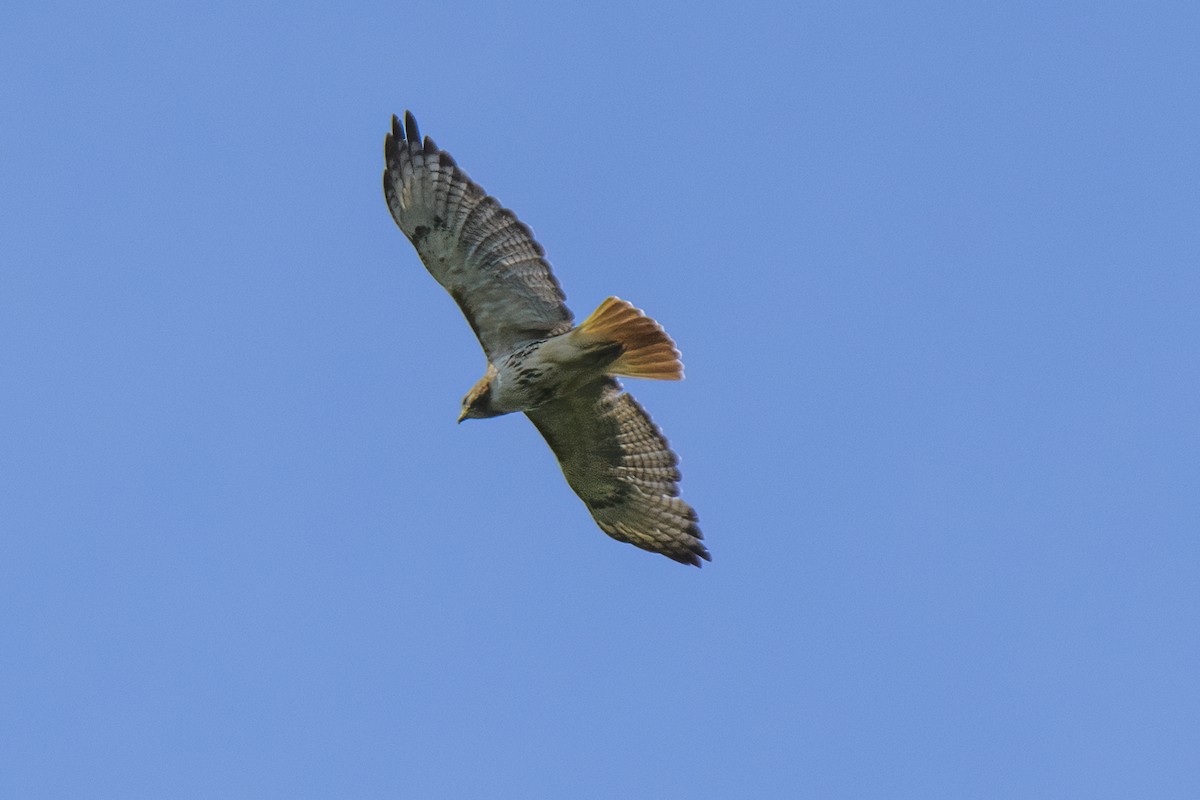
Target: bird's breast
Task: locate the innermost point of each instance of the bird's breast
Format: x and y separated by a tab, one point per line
535	374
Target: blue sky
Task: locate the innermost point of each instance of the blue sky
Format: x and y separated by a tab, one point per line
933	268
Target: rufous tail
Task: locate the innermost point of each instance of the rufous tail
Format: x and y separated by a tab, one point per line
647	350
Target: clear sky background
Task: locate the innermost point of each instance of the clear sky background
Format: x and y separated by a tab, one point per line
935	272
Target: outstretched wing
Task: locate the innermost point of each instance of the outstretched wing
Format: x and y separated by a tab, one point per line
485	257
617	460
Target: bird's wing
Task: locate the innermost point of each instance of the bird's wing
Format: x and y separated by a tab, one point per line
478	250
618	462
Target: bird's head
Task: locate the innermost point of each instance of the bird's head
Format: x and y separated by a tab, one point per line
478	402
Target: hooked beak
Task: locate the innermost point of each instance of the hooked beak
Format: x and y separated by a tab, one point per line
462	416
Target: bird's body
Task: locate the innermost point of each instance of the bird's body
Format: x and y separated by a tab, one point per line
536	373
559	374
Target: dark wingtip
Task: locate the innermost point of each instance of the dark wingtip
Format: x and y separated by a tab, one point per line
430	147
697	547
412	134
396	134
691	555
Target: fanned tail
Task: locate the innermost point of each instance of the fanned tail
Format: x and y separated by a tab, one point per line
647	351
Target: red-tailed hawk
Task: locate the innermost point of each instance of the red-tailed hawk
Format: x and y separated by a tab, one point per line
559	374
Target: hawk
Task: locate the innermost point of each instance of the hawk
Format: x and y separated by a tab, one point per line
561	375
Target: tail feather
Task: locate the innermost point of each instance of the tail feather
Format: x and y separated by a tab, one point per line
647	351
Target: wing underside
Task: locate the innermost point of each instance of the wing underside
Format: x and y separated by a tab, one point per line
619	463
484	256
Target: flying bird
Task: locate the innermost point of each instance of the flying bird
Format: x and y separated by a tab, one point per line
561	375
